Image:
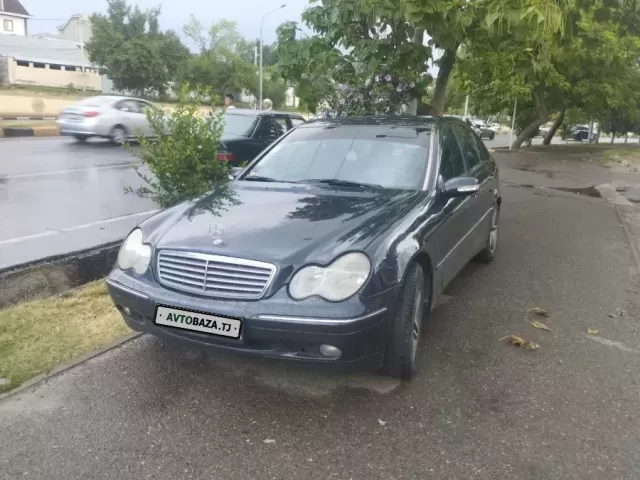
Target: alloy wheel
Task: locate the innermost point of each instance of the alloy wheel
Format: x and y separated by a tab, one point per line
493	234
417	324
118	135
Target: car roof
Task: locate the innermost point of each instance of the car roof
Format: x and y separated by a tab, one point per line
387	120
255	113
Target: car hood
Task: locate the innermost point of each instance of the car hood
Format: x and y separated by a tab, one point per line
283	223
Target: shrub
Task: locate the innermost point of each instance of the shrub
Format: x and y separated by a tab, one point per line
384	95
180	163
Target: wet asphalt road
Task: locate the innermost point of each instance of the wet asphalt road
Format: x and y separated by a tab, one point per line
58	196
479	408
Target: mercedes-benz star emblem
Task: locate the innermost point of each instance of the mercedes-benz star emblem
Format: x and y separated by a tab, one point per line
215	232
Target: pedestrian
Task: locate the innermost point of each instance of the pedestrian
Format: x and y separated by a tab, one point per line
228	101
267	104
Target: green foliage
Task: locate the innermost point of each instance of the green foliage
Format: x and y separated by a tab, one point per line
273	88
137	56
181	162
221	64
361	38
592	68
385	95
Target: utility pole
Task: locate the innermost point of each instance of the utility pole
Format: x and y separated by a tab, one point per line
513	123
466	107
261	48
82	67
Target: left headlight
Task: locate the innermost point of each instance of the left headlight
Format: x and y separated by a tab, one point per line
335	282
134	253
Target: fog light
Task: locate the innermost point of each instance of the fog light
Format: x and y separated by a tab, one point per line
330	351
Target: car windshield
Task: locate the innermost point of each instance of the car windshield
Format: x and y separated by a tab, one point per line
393	157
241	125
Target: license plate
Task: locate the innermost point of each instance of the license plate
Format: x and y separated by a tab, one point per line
198	322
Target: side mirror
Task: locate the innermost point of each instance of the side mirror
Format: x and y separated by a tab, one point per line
460	187
234	172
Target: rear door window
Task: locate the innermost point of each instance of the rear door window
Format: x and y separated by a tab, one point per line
469	146
281	125
451	158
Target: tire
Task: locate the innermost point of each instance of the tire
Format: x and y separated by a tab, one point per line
404	344
488	253
81	138
492	136
118	135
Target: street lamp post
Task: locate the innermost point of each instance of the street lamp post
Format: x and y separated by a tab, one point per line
260	74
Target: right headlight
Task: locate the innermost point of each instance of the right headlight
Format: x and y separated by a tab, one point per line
134	254
335	282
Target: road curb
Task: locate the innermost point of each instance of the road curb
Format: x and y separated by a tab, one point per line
631	240
15	116
70	364
57	274
37	131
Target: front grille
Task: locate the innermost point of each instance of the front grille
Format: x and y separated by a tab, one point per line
214	275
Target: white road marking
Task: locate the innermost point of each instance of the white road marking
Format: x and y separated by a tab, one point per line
67	171
610	343
50	233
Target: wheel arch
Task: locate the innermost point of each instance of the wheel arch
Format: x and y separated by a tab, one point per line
423	259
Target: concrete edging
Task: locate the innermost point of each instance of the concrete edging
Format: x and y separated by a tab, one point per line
70	364
36	131
57	274
635	254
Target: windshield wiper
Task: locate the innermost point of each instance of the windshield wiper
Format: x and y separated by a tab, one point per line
258	178
343	183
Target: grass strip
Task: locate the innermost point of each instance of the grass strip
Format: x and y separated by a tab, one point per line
37	336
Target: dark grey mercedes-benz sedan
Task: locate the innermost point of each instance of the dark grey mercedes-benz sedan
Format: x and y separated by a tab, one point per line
330	247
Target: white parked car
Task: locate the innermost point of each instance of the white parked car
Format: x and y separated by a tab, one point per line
117	118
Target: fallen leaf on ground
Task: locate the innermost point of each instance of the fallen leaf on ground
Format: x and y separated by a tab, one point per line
540	325
521	342
541	312
269	440
621	311
592	331
382	422
612	315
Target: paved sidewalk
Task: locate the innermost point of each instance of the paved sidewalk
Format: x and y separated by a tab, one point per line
479	409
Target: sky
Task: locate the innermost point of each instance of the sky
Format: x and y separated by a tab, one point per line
48	15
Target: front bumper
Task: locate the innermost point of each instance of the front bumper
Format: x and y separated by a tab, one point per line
360	330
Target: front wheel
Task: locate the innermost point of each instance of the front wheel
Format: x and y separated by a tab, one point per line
402	349
492	136
488	253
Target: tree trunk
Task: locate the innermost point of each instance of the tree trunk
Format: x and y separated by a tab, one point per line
527	133
554	128
412	108
446	63
613	137
626	137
